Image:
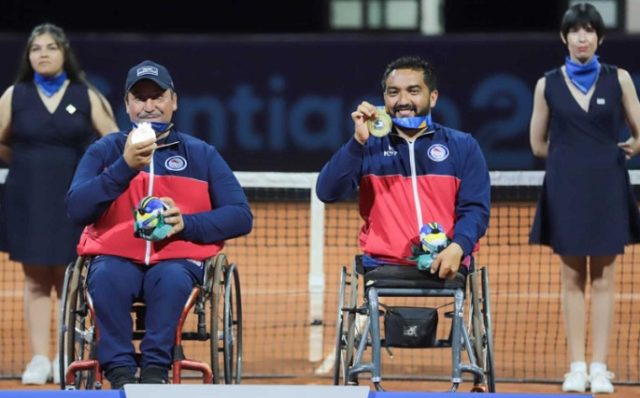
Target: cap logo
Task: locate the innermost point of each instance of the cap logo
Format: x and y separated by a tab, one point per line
147	70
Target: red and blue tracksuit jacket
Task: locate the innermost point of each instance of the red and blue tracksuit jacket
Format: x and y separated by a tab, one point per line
105	190
441	176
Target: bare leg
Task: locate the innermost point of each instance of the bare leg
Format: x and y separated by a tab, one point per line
58	279
602	304
574	279
37	304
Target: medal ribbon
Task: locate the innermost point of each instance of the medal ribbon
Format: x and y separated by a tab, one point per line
414	122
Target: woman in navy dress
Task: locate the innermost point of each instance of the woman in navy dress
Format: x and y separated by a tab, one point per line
587	211
47	119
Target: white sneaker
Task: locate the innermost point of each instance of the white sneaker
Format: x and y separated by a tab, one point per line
575	382
38	371
601	382
55	369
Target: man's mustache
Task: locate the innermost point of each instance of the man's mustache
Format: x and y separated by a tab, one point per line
404	108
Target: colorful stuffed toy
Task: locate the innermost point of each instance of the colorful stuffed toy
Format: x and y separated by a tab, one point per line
432	241
148	219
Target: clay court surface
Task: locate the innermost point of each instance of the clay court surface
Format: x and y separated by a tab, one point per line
274	268
392	385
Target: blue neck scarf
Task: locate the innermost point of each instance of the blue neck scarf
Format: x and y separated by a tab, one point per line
158	127
415	122
49	85
583	76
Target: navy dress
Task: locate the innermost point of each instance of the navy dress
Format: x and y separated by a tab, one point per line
587	206
46	147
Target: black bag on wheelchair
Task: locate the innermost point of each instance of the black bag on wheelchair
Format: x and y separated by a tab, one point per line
410	327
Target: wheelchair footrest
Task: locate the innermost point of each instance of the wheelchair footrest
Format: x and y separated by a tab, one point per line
86	364
187	364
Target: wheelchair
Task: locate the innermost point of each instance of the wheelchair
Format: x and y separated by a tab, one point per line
358	326
216	303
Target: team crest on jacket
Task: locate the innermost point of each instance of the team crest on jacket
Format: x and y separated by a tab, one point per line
438	152
175	163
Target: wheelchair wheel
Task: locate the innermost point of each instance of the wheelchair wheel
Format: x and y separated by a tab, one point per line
480	330
486	312
226	323
76	327
345	339
340	336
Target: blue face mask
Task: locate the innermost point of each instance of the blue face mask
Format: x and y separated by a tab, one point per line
49	85
583	76
158	127
414	122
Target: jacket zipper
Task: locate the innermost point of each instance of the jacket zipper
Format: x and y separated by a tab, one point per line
147	252
414	183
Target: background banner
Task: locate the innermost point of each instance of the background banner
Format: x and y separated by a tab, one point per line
276	103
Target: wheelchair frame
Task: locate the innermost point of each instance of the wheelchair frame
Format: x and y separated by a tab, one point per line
475	339
219	297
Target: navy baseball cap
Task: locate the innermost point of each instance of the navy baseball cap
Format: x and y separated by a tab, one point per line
149	70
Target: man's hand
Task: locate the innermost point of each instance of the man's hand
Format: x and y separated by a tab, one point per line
447	262
172	216
139	155
360	116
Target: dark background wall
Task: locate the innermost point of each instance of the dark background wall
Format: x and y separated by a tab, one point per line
181	16
281	101
259	17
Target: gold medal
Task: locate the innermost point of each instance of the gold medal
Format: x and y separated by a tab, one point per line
381	125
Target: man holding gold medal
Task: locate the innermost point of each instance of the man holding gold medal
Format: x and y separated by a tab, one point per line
416	177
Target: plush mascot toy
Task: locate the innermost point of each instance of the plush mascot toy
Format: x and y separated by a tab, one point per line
432	241
148	219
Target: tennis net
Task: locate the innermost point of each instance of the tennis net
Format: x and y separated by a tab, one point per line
289	267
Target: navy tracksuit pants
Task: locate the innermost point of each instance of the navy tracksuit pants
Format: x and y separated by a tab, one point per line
114	283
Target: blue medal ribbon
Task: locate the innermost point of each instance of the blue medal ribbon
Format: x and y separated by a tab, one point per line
583	76
49	85
414	122
158	127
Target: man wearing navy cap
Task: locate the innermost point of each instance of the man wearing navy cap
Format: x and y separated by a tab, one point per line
205	205
149	70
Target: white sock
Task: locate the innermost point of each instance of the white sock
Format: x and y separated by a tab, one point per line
579	366
597	367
